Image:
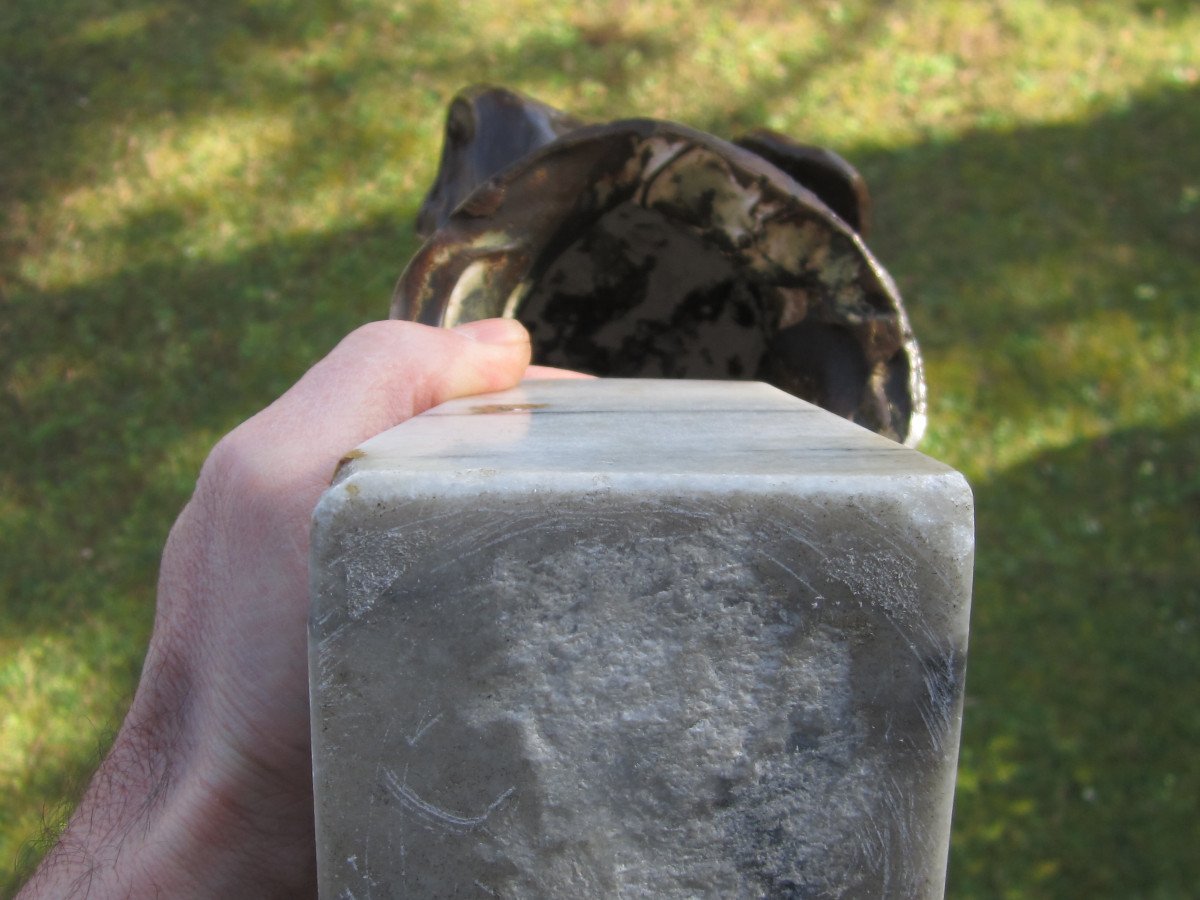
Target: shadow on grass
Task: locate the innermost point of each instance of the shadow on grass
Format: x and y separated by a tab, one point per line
163	59
855	25
1100	205
1078	765
1152	9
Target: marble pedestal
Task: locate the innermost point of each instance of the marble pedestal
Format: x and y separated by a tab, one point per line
637	639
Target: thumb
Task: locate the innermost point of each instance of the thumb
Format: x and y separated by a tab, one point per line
387	372
378	376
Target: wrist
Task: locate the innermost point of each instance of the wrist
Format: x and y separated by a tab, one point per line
225	834
169	815
124	838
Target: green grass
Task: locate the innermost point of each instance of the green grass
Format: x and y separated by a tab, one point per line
198	200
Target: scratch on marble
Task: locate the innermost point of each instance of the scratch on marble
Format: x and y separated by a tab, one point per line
326	662
796	535
434	815
540	523
423	727
796	575
937	708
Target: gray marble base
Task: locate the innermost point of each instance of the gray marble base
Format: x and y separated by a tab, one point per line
637	639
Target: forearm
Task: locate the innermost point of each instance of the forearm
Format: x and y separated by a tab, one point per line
125	835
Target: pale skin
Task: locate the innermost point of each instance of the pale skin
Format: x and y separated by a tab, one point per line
207	791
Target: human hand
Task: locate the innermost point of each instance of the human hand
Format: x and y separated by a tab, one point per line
207	790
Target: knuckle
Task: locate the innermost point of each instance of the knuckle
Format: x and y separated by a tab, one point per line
234	467
377	336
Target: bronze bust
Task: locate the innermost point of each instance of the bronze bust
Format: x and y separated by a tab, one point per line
644	248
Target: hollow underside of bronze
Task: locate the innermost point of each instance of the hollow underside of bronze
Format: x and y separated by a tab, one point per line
644	248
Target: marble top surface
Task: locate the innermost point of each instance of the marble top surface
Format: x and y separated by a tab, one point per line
635	427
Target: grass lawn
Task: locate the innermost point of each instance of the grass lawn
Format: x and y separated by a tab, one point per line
198	200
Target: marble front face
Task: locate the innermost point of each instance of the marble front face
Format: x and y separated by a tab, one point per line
637	638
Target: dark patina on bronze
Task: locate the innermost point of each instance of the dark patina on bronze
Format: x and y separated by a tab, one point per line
644	248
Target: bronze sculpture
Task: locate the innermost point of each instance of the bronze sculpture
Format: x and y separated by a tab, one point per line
644	248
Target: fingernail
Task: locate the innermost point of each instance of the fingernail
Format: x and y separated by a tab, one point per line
494	331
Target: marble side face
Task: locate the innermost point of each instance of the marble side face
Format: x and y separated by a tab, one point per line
637	639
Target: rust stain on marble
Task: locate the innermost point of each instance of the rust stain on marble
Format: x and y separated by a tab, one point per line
349	457
489	408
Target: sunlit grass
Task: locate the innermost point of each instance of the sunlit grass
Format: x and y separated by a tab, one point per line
197	201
